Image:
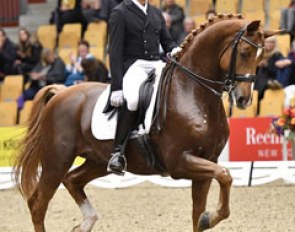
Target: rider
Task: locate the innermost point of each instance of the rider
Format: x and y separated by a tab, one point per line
136	31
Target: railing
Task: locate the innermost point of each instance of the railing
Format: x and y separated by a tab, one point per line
9	13
243	174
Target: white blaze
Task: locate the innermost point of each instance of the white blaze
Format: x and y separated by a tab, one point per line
89	214
259	52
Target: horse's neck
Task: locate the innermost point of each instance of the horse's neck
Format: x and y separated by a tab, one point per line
186	94
202	56
200	61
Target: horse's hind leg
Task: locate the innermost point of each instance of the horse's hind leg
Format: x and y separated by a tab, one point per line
75	182
38	202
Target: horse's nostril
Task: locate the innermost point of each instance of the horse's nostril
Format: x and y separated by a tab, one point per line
241	101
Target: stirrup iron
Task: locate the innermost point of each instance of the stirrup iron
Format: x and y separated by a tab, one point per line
111	170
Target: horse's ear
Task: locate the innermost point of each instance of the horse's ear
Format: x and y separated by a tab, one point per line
253	26
275	32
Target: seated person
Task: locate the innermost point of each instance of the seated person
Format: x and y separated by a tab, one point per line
95	70
286	68
168	21
267	70
96	10
50	70
189	24
7	55
68	11
74	71
177	17
28	53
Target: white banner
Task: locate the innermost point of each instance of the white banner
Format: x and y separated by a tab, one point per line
262	173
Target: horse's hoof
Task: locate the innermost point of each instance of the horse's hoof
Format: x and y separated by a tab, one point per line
76	229
204	221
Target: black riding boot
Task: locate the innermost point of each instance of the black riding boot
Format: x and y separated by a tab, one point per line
117	163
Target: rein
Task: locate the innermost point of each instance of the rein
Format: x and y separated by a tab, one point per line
198	78
162	96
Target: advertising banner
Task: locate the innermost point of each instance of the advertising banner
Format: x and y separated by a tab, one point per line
9	142
9	145
251	140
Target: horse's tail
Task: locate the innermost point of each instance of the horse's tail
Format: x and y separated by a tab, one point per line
27	161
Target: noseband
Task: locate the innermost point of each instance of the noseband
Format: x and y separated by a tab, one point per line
231	77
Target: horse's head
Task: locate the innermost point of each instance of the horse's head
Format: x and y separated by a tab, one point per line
240	59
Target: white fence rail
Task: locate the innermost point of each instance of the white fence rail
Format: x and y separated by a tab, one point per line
243	173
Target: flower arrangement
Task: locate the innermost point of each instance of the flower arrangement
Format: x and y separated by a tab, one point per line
285	123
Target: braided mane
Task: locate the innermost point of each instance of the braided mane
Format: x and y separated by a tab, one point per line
190	37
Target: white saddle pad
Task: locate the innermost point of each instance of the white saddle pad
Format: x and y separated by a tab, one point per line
104	128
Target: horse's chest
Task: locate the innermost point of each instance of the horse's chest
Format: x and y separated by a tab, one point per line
205	135
207	127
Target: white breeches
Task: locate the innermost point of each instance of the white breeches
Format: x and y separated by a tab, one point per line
134	77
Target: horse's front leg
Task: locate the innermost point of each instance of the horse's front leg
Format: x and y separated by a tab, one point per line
201	171
200	191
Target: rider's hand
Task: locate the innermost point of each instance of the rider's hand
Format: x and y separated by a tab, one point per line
175	51
117	99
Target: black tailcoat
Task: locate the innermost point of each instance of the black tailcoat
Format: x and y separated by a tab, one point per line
134	35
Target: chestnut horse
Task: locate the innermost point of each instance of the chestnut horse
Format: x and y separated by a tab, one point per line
220	54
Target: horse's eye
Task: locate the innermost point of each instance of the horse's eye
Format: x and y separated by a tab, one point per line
245	55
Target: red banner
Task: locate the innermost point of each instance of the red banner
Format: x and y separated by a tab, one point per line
250	140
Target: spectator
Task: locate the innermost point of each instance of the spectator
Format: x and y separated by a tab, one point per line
49	70
287	19
74	71
286	68
168	23
7	55
177	17
28	53
96	10
95	70
168	20
267	70
189	24
68	11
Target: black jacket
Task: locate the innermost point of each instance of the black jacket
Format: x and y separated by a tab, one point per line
33	55
7	58
134	35
55	74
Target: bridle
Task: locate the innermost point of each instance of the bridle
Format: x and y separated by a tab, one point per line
231	77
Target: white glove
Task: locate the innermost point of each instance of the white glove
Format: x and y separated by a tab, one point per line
117	98
175	51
